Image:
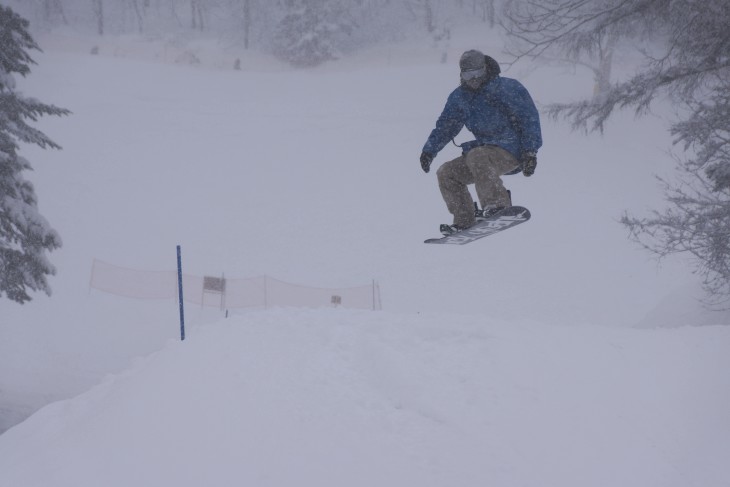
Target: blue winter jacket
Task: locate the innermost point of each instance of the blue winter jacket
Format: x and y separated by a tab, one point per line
500	113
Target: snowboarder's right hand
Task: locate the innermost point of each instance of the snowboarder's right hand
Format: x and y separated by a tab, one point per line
426	160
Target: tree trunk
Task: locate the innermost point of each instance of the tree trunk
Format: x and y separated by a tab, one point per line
602	74
98	7
197	15
138	14
430	27
489	12
246	23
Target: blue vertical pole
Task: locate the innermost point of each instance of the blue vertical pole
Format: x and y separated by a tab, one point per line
180	291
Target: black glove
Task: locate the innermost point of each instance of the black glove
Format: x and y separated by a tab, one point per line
529	163
426	160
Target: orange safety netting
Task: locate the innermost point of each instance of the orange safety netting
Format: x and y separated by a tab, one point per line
255	292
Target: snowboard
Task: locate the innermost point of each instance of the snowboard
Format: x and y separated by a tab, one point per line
502	220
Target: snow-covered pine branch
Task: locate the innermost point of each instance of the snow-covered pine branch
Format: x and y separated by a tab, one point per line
689	65
25	235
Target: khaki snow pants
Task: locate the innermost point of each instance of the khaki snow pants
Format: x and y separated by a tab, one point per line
483	167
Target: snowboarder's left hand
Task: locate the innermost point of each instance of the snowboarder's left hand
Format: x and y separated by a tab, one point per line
426	160
529	163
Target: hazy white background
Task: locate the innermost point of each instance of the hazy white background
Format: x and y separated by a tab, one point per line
523	359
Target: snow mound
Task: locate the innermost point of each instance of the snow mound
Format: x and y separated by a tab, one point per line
333	398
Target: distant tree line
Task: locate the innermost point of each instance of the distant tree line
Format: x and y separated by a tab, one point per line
302	32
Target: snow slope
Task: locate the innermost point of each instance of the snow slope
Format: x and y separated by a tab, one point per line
331	398
509	362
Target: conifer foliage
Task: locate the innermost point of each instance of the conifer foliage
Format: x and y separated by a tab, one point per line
686	61
308	33
25	235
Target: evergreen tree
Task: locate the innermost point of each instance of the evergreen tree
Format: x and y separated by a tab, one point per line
690	66
25	235
308	33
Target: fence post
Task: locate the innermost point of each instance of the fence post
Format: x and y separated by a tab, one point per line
180	292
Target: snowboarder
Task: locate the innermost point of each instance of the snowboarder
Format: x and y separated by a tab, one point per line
501	115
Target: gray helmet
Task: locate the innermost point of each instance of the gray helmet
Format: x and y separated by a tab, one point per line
477	68
472	65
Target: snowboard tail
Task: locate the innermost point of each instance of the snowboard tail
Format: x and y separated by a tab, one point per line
502	220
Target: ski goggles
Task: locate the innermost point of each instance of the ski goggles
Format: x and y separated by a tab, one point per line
473	73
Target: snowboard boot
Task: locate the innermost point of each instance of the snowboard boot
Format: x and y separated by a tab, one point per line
487	212
491	210
447	230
